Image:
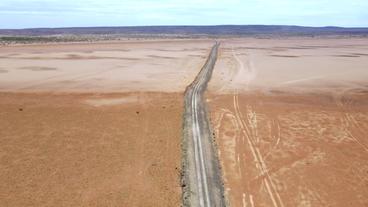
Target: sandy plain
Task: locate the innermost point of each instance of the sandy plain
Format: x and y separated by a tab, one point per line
290	118
95	124
162	65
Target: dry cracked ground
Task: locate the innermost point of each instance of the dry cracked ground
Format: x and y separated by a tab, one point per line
99	124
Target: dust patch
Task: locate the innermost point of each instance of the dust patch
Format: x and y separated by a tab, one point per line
163	57
92	57
359	54
37	68
351	56
287	56
201	56
112	101
72	57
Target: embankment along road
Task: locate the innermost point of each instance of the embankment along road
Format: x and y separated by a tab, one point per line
202	183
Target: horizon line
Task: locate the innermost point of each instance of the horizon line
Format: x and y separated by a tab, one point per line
214	25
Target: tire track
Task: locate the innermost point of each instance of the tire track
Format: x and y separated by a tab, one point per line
249	129
348	121
251	138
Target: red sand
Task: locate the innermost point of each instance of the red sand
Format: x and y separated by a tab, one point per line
291	121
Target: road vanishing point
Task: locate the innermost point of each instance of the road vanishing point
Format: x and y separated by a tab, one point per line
202	182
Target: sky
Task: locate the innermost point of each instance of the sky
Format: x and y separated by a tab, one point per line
15	14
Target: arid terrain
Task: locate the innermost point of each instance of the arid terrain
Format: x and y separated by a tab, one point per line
101	123
161	65
95	124
290	118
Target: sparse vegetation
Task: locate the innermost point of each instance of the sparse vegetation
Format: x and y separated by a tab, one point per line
168	32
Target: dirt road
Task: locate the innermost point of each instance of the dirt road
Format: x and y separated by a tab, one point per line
202	178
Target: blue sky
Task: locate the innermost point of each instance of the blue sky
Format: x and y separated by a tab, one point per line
72	13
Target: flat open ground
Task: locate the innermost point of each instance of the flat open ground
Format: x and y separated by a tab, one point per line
163	65
291	118
99	124
95	124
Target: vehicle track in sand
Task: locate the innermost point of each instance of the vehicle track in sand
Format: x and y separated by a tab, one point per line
249	129
354	129
249	166
278	147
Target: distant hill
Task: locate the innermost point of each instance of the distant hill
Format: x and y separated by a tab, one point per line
222	30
